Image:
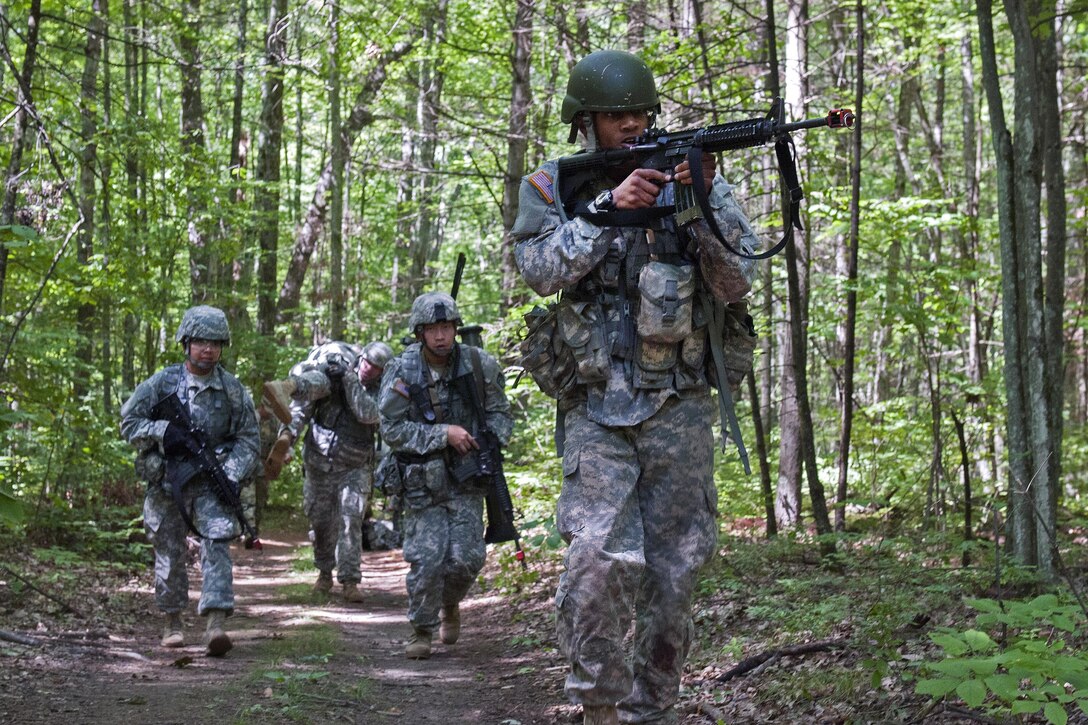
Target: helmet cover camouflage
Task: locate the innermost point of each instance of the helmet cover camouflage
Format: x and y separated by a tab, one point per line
203	322
432	307
378	354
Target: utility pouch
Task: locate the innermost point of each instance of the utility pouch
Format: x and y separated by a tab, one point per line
425	483
545	355
150	465
665	291
654	364
581	327
739	341
387	477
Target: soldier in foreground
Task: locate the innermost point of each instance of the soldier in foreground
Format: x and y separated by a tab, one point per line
334	392
630	373
222	411
428	401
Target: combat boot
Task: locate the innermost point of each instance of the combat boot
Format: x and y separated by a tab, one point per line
323	585
352	593
277	394
173	634
600	715
277	456
450	629
419	646
217	640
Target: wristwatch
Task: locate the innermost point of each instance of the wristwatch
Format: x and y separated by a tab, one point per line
604	202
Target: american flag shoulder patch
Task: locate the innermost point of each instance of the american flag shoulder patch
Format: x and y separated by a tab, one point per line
543	183
401	388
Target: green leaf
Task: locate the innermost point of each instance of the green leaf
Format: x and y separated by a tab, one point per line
953	644
984	605
936	688
1023	707
1055	713
973	692
11	509
1006	687
1063	622
979	641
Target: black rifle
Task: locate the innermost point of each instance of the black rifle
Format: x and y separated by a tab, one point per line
662	150
487	463
200	459
470	334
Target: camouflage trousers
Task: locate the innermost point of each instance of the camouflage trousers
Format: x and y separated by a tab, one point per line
444	543
638	509
334	502
167	532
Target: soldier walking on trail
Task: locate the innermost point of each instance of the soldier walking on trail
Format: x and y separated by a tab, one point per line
630	372
334	392
429	423
221	408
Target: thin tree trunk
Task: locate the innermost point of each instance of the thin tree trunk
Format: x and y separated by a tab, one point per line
521	99
201	264
22	119
849	337
266	200
88	196
310	230
337	158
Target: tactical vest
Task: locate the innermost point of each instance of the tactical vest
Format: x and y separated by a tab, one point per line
336	434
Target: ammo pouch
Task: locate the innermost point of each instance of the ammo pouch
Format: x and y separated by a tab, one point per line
150	465
544	354
665	292
582	328
387	477
425	482
739	341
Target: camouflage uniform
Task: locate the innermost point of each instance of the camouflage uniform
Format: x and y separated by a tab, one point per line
223	409
443	523
338	455
638	526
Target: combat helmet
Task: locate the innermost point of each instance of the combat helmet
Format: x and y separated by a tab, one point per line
609	80
203	322
432	307
377	353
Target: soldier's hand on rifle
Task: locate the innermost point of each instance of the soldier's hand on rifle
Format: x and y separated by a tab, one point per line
460	439
640	189
682	173
175	440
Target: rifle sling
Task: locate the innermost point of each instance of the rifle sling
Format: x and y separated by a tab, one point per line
715	323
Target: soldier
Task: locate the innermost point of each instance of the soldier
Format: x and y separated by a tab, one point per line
222	408
634	395
335	392
429	424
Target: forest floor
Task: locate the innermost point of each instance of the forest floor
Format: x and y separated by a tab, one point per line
780	638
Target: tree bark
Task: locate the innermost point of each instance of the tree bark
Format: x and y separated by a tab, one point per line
201	263
521	99
22	119
310	230
337	158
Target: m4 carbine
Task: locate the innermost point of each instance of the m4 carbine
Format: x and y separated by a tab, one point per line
663	150
200	459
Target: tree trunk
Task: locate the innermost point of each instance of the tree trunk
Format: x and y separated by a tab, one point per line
88	197
521	99
1032	387
22	120
266	200
313	223
337	157
850	328
201	263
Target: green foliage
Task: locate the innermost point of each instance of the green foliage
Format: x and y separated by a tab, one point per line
1028	669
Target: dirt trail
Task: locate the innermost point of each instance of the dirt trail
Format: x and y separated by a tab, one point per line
296	658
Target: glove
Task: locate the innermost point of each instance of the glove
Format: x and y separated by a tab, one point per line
175	440
335	370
